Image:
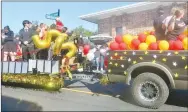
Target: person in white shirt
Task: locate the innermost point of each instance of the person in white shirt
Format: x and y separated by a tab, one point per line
102	56
43	53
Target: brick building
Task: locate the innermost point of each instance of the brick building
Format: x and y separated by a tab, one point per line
131	19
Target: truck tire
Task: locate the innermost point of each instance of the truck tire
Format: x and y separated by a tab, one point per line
149	90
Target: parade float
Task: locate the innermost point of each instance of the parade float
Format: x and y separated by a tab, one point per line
47	73
40	73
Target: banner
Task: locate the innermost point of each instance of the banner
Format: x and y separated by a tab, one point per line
53	16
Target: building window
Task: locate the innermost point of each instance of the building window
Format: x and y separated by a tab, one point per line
119	31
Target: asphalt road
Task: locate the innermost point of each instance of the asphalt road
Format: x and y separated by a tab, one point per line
78	96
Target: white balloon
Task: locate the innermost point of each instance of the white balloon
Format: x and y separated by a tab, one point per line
92	50
90	56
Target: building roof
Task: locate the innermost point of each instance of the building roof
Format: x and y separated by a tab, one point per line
136	7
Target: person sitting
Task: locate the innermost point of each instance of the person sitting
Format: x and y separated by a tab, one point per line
176	25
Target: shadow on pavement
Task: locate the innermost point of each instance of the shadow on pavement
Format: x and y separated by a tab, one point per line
98	88
178	98
12	104
67	83
122	91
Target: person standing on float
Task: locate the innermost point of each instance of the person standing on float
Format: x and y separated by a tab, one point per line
167	20
27	45
157	23
9	44
59	24
176	25
43	53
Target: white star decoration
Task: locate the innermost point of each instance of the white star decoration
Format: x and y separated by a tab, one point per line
134	53
129	59
155	56
168	54
174	64
122	66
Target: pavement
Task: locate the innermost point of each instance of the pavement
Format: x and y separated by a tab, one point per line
84	95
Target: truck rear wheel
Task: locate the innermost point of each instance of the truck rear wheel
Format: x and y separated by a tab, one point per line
149	90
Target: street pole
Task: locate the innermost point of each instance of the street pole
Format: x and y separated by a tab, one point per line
58	12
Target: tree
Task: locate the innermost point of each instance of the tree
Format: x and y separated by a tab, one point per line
82	31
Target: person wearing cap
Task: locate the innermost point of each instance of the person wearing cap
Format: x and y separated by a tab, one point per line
59	24
157	23
27	45
9	46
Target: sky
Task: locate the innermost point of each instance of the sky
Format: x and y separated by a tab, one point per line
13	13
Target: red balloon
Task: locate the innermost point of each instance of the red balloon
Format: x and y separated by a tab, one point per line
135	43
106	61
152	33
86	49
142	37
181	37
119	39
19	53
114	46
153	46
171	44
122	46
178	45
85	53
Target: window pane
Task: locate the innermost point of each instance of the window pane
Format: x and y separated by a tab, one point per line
118	30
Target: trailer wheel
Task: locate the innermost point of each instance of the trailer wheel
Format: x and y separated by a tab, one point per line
149	90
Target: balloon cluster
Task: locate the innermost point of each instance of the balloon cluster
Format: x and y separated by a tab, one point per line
147	41
59	42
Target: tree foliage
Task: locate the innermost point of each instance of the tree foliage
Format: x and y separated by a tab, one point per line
82	31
